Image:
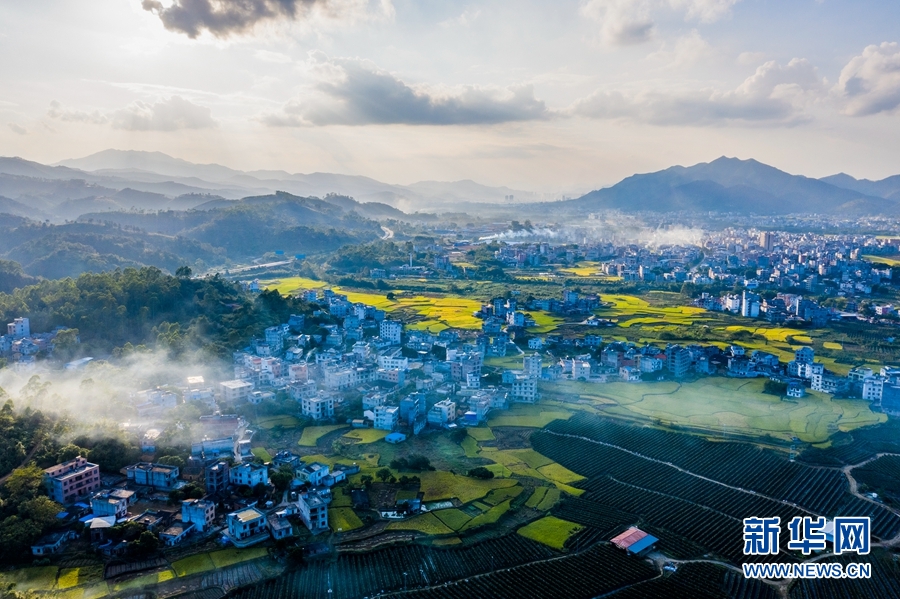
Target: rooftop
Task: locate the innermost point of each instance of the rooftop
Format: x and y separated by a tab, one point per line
247	514
633	540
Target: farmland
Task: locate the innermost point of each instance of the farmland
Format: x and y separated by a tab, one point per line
722	405
312	434
550	531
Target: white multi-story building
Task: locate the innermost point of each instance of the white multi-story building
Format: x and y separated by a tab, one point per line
443	412
318	407
391	331
524	389
393	360
234	391
532	365
581	369
245	524
19	328
199	512
249	475
873	388
387	417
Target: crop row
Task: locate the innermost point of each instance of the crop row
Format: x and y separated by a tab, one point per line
885	581
883	474
595	572
699	581
739	464
410	566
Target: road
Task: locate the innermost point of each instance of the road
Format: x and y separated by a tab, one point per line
388	234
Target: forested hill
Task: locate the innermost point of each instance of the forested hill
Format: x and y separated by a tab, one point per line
231	231
145	306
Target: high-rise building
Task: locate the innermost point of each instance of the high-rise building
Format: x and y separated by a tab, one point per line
766	240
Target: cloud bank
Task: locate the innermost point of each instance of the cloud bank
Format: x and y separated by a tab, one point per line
355	92
870	83
773	94
630	22
170	114
223	18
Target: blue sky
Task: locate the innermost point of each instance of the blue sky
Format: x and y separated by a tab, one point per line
557	96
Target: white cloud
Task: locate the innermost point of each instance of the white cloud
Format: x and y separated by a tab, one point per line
165	115
870	83
774	94
750	58
468	16
688	49
59	112
355	92
18	129
628	22
269	56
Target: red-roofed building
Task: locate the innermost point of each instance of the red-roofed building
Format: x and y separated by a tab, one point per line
634	541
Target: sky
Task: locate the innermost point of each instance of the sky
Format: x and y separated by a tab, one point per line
558	97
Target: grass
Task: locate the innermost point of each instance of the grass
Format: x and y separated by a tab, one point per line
42	578
452	518
262	454
559	474
723	404
544	322
142	581
446	485
233	555
312	434
481	434
489	517
193	565
283	421
548	500
73	577
498	496
470	446
550	531
427	523
340	497
343	519
527	415
583	269
629	310
832	345
366	435
536	497
882	259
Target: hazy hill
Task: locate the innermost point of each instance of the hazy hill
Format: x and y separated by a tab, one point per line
730	185
886	188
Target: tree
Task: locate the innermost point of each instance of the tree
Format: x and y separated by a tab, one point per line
384	474
146	544
184	272
24	483
70	452
41	510
171	460
65	345
282	478
366	479
481	472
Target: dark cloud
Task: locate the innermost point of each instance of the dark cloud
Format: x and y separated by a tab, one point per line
225	17
353	92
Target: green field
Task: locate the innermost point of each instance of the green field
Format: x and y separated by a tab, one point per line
481	434
550	531
312	434
31	579
489	517
527	415
630	310
343	519
439	485
262	454
453	518
142	581
283	421
883	260
365	435
229	557
427	523
193	565
73	577
722	404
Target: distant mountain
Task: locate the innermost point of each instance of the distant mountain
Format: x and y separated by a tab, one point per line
158	168
886	188
730	185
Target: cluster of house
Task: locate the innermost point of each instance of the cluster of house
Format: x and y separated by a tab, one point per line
783	308
21	346
102	503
